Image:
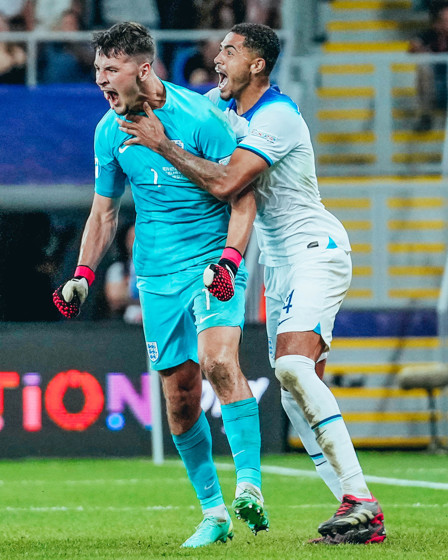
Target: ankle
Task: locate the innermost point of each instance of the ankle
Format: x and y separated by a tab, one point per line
220	512
243	486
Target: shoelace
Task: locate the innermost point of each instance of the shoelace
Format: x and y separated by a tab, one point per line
205	521
345	506
202	525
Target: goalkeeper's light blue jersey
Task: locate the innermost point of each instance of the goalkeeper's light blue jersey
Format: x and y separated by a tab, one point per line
178	225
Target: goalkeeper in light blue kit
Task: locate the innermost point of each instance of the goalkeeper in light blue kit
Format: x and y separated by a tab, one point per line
180	229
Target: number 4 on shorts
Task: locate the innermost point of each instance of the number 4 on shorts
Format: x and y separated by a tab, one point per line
288	303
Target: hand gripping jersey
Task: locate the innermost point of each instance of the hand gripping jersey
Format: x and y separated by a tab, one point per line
290	214
178	225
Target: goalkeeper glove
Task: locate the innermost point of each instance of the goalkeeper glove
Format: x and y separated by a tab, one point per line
220	278
69	297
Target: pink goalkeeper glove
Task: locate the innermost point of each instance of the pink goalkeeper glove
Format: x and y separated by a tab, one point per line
69	297
220	278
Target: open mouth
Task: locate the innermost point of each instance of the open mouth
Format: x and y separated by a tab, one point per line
111	96
222	80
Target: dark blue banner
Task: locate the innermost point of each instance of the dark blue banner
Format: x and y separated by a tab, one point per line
386	322
47	133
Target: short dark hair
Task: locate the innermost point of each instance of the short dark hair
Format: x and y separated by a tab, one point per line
127	38
262	40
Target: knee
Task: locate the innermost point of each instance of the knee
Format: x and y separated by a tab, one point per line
217	368
285	374
293	371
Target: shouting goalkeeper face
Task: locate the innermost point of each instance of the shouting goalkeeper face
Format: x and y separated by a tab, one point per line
123	66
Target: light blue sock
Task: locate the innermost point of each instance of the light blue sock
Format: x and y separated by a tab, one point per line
195	449
242	427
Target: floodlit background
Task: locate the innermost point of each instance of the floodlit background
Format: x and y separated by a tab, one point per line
376	108
346	64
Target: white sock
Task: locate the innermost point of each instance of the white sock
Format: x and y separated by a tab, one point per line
218	511
242	486
319	407
306	434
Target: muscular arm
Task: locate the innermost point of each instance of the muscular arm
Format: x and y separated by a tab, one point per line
241	220
98	235
219	278
222	181
99	230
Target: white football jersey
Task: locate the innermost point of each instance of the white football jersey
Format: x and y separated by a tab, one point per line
290	214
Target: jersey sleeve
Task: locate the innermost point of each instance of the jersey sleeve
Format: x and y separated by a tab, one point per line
215	139
110	180
273	132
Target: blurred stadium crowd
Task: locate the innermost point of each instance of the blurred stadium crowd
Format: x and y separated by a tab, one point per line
72	62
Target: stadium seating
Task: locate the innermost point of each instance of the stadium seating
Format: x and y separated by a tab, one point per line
364	54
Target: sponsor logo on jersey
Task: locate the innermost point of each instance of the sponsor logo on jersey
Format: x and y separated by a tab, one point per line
260	134
123	148
173	172
153	351
224	161
179	143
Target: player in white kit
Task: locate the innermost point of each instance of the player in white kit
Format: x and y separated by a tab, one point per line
305	250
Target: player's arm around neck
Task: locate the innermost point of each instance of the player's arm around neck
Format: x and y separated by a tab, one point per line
222	181
99	230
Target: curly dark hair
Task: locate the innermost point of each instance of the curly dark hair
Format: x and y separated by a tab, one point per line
127	38
260	39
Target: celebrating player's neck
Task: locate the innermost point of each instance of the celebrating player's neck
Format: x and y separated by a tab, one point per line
247	98
154	92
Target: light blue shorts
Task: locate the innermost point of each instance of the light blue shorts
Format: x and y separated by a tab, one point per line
177	307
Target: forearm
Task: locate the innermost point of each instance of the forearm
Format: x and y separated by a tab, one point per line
98	234
241	220
206	174
97	237
219	278
222	181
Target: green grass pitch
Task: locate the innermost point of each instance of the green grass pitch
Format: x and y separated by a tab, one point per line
131	509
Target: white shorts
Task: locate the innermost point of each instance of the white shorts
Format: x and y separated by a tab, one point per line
306	296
